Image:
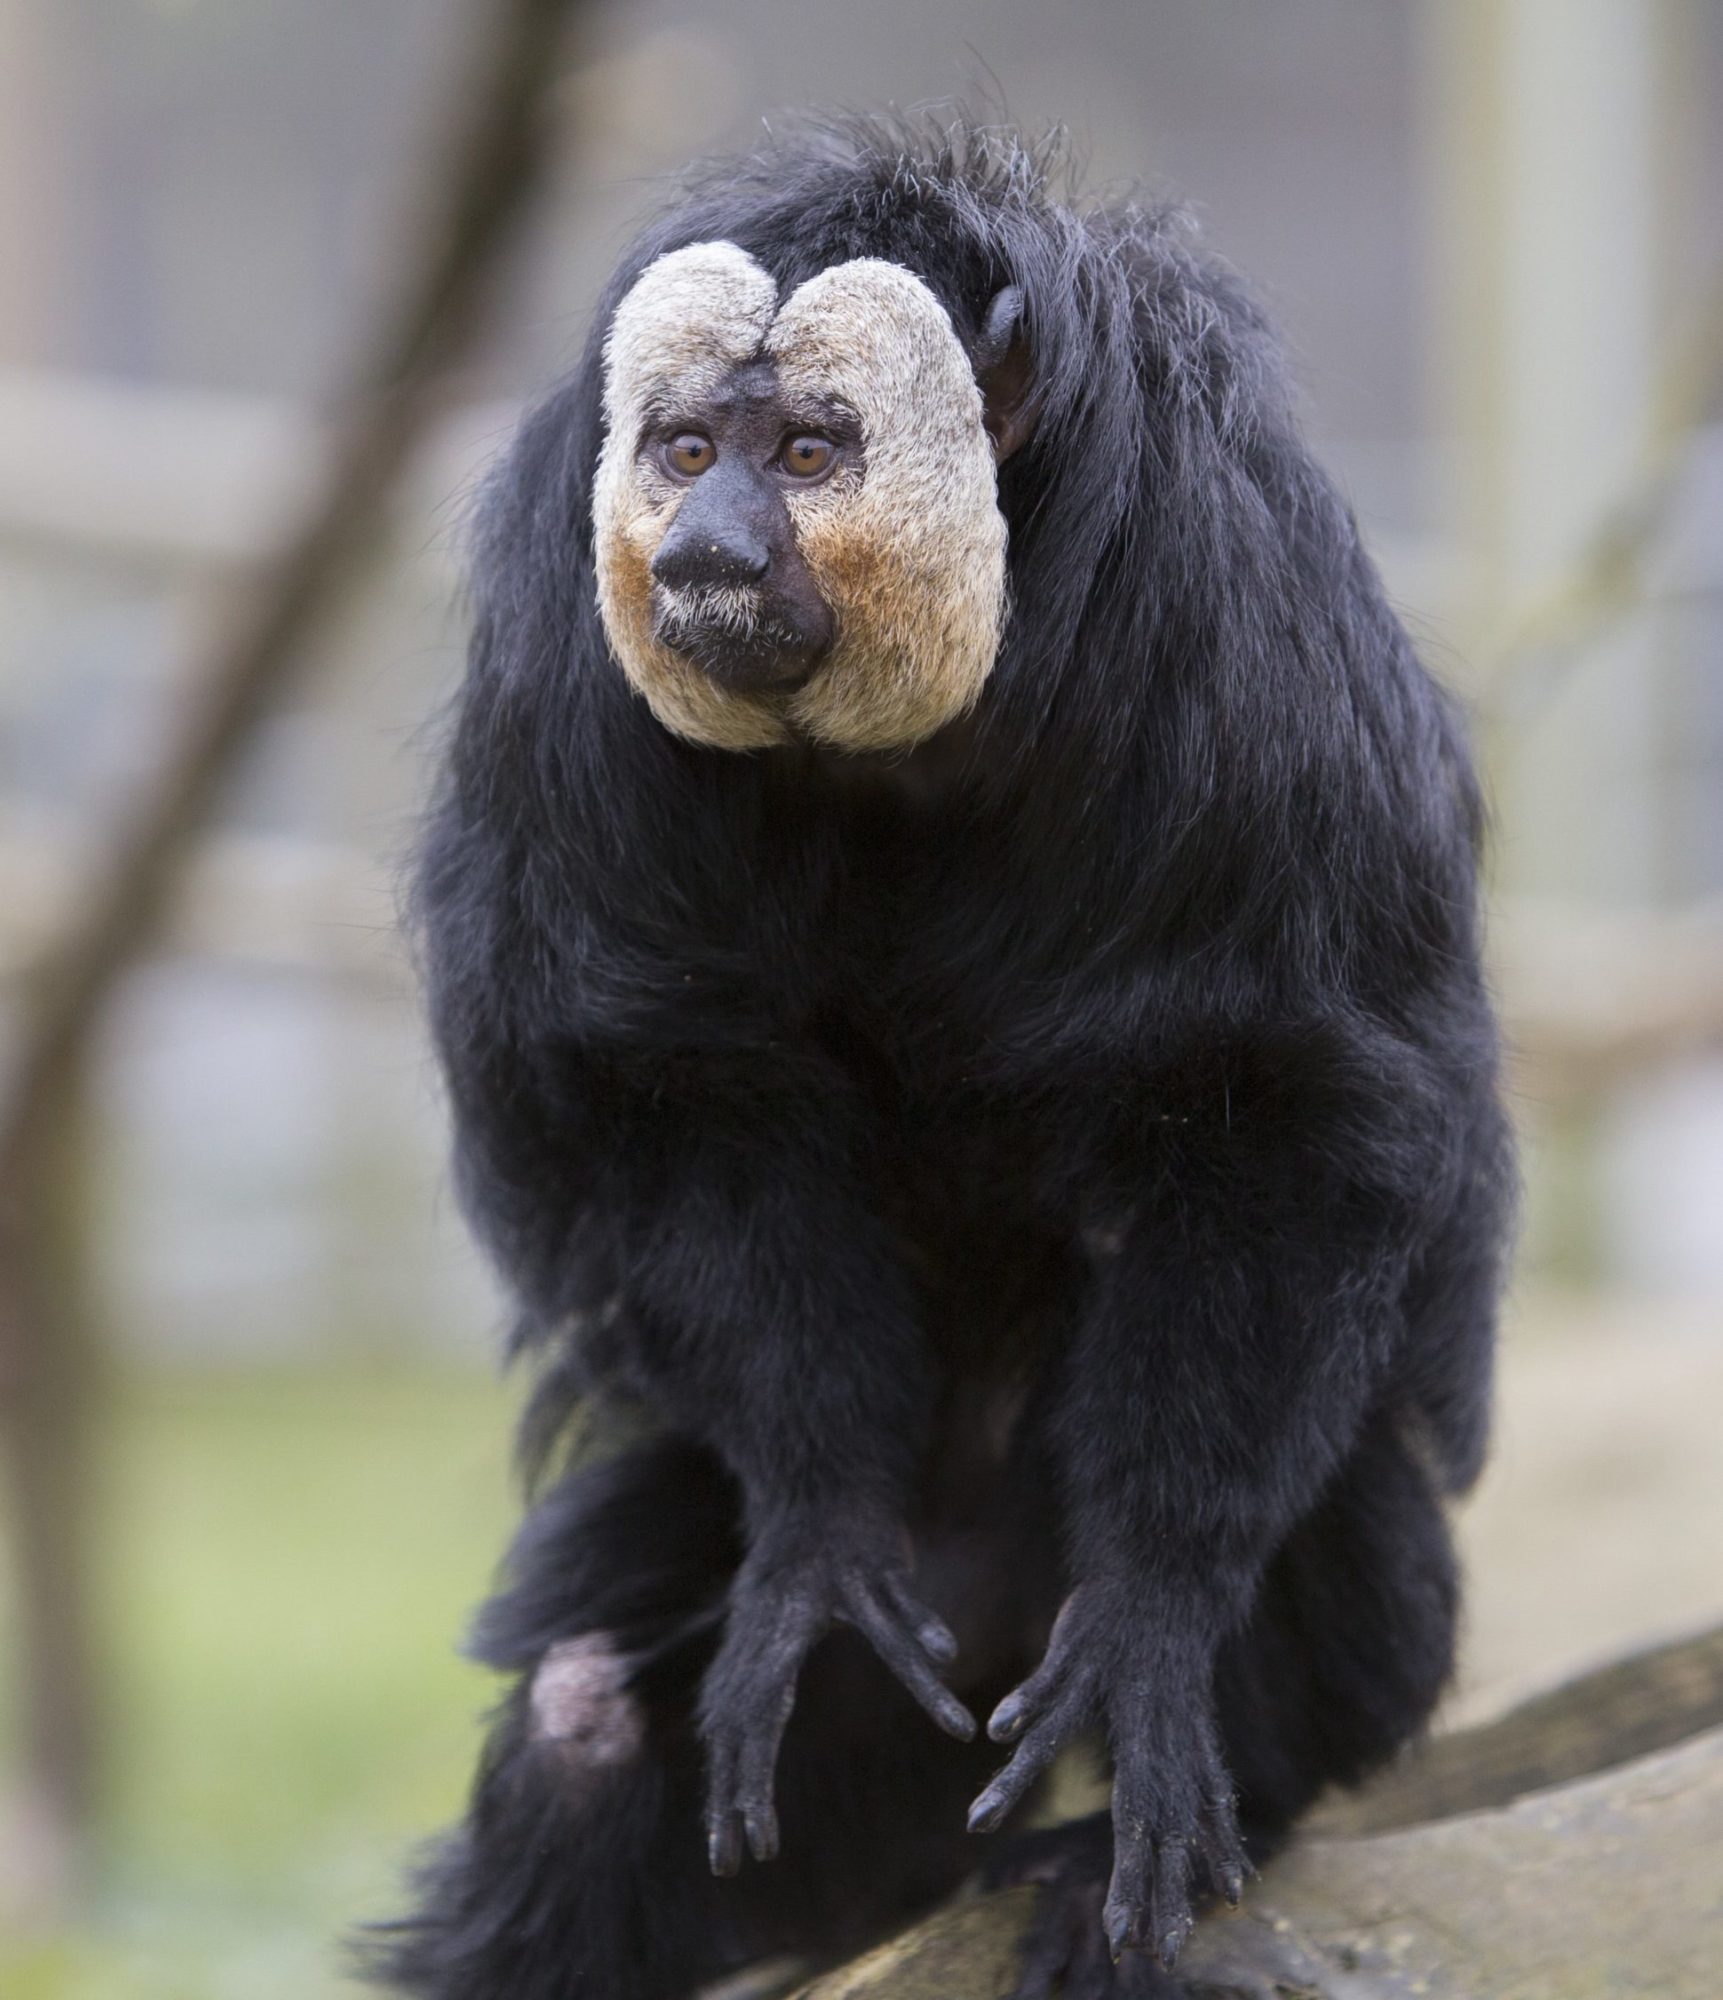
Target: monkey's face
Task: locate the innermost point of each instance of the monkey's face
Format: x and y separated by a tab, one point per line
795	516
731	590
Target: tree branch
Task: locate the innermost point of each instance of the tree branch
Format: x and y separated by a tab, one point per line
1643	1704
477	188
1526	1857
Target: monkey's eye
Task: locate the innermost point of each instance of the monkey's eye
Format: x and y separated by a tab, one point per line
807	456
688	454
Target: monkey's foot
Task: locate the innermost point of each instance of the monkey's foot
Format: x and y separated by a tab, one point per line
1065	1951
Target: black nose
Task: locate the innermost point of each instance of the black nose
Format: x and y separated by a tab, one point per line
710	556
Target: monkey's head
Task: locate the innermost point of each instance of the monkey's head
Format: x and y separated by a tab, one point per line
796	523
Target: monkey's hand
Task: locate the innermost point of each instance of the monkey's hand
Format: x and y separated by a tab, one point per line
792	1588
1172	1799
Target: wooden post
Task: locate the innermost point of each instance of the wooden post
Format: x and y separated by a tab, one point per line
1546	154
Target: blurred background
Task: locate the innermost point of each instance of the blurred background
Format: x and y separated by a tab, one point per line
274	1466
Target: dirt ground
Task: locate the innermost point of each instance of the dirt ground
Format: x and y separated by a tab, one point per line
1598	1525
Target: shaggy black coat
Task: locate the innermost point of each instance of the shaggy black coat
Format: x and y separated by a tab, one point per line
1076	1142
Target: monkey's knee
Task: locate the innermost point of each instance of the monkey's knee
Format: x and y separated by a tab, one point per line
581	1714
579	1867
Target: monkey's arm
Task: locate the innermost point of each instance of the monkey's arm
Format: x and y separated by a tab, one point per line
752	1301
770	1316
1230	1346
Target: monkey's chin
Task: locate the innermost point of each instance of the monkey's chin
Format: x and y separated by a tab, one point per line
748	666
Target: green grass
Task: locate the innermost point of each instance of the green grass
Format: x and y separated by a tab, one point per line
287	1560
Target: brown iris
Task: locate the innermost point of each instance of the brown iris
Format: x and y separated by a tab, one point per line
689	454
807	456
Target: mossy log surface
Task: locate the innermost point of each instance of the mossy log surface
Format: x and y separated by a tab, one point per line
1570	1851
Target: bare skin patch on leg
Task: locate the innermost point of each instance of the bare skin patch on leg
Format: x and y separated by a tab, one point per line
580	1708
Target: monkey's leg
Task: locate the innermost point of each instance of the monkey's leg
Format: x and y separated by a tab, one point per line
1341	1661
580	1872
578	1868
1350	1643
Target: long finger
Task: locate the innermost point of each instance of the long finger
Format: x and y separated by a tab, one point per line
1125	1916
1222	1848
761	1738
723	1822
753	1702
1037	1750
1172	1898
1046	1684
910	1664
1028	1699
932	1634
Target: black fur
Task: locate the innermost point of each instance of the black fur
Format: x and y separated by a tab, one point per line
1078	1142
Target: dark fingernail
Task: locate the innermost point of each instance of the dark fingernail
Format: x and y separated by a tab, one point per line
956	1720
986	1812
938	1640
1172	1942
1008	1719
763	1836
1232	1885
1118	1934
724	1849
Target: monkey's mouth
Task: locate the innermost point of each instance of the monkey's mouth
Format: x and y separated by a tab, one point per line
743	639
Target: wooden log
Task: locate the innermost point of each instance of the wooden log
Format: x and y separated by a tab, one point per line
1642	1704
1527	1859
1611	1885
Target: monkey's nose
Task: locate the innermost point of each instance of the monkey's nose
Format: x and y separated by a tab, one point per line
710	557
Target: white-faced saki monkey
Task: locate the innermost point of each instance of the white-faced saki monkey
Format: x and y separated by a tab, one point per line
951	929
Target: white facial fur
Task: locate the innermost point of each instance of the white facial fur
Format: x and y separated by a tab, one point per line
909	552
687	320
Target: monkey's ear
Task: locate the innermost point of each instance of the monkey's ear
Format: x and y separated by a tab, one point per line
1000	358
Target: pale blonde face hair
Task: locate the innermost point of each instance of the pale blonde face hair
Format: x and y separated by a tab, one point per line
908	550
